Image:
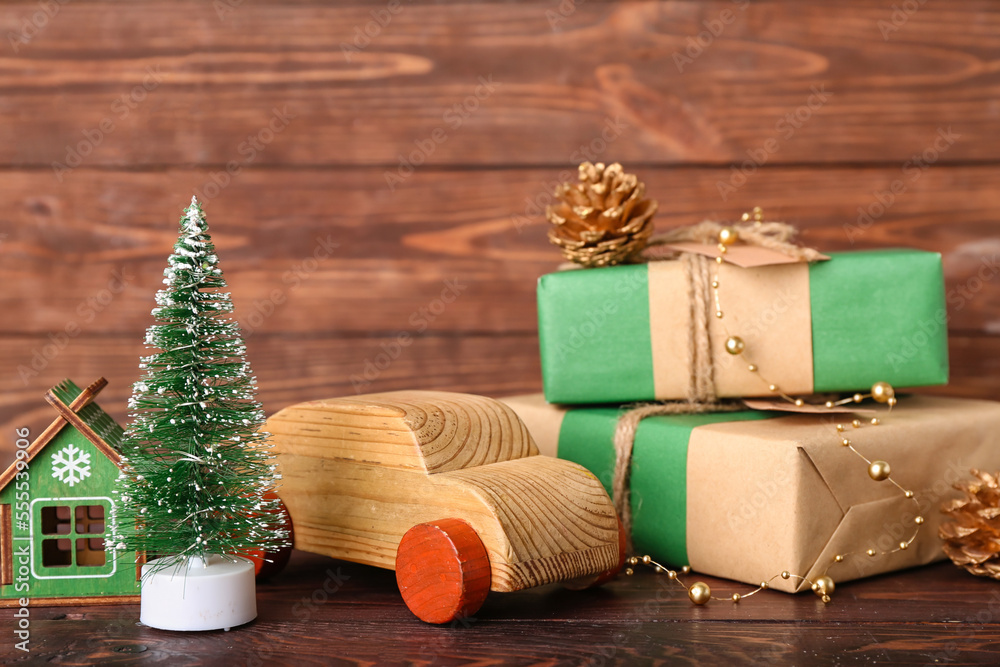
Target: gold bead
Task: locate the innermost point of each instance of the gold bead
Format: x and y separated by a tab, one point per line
840	428
752	368
785	575
829	404
700	593
633	560
882	392
856	423
838	558
858	398
825	599
875	421
763	584
799	402
879	471
628	571
646	560
686	569
715	284
671	575
919	520
718	314
728	236
845	442
903	546
824	585
718	260
658	569
723	249
907	494
871	552
736	597
772	387
891	402
735	345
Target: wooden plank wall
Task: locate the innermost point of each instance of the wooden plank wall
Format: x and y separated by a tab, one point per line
390	184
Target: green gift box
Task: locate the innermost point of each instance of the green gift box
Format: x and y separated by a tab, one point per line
748	495
623	333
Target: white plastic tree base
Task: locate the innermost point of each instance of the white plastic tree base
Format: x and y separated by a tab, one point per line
192	594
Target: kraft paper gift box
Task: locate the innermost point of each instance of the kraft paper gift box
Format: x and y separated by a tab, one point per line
621	333
748	495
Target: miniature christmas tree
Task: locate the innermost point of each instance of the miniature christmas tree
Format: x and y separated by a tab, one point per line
195	466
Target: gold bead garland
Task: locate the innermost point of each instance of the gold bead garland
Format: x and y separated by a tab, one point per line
880	471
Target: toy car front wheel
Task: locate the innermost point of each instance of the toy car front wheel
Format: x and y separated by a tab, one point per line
443	570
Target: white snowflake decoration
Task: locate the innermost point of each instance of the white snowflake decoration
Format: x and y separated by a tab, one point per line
71	465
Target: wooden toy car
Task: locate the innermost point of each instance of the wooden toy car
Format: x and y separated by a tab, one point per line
447	489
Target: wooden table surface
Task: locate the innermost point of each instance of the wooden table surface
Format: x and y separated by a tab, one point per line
320	611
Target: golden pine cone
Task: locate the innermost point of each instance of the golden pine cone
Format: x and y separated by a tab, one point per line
603	219
971	539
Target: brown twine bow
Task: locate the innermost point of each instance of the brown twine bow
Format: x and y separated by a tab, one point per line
772	235
701	396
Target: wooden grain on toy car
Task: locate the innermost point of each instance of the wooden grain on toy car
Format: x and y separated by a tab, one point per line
447	489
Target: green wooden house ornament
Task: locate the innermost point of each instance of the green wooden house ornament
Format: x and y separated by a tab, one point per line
55	513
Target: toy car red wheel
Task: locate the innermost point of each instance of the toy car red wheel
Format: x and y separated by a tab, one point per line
269	563
602	578
443	570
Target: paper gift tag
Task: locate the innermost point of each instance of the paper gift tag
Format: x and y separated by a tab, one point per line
806	408
745	256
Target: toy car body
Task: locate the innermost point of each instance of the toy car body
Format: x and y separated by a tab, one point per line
447	489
